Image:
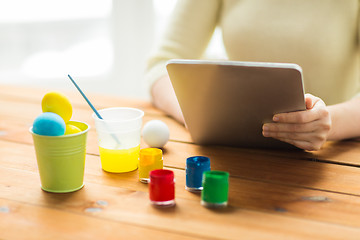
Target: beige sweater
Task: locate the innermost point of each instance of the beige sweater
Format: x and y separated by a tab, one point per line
322	36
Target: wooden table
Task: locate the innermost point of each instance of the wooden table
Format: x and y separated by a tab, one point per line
272	195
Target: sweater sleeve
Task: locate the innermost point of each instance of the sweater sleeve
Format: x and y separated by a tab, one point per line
357	95
186	37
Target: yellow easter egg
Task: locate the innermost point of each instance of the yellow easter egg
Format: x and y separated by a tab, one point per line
71	129
57	103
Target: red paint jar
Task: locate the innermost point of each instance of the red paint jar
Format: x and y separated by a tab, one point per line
162	187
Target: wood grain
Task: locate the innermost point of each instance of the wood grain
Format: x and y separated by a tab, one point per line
278	199
23	220
188	217
274	194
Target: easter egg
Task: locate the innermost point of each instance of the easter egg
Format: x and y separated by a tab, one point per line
155	133
58	103
49	124
71	129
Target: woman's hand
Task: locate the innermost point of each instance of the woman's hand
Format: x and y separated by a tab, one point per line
304	129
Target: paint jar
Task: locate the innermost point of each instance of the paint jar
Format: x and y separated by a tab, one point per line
162	188
215	189
119	138
149	159
195	167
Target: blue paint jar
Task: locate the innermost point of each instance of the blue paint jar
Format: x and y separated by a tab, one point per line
195	167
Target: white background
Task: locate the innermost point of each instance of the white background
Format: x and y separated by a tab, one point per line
102	44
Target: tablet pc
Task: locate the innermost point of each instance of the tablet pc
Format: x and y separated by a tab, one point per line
227	102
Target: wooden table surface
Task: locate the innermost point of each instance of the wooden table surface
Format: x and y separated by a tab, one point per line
272	194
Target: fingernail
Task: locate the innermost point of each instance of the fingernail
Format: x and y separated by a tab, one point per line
265	128
275	119
265	134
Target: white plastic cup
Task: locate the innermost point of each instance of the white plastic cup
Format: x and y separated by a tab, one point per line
119	138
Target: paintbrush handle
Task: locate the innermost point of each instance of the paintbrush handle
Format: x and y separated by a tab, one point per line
86	99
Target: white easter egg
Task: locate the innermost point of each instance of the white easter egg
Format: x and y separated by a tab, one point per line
155	133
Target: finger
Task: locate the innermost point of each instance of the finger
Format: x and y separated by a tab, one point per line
301	116
308	141
311	100
290	127
309	103
301	144
291	135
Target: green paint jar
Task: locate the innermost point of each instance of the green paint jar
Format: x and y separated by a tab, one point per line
215	189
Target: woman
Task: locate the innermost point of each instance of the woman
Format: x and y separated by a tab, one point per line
321	36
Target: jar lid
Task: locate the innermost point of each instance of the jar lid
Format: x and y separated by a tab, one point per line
198	161
161	176
149	156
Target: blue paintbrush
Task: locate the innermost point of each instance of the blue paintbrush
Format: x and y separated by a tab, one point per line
86	99
92	107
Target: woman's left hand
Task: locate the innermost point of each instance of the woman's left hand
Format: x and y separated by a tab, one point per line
306	129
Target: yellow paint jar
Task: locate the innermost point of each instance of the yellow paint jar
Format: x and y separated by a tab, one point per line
149	159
